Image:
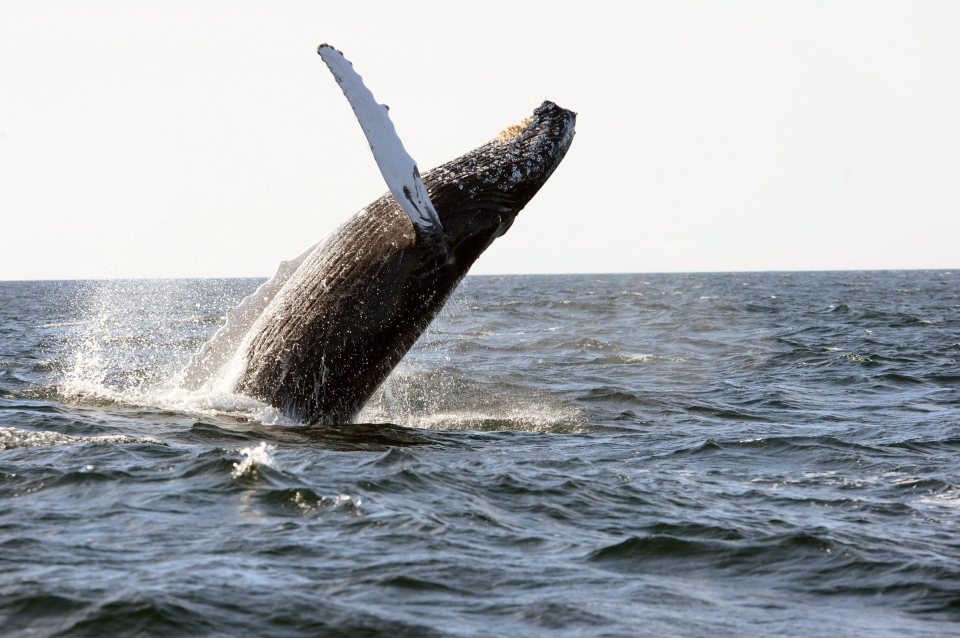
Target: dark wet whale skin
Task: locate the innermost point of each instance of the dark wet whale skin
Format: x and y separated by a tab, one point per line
358	303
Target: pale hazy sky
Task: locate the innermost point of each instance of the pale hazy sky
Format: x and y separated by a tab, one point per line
171	139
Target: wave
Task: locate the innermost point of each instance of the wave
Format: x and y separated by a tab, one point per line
13	438
810	560
256	457
304	501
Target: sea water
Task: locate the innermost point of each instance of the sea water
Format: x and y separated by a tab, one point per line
590	455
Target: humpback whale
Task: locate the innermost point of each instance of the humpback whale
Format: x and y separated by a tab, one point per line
318	339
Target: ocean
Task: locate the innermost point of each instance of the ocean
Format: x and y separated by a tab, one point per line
762	454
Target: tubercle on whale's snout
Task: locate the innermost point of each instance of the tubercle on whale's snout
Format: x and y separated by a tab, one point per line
548	105
551	111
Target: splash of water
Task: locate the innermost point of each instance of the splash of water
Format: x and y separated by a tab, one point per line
258	456
440	399
135	339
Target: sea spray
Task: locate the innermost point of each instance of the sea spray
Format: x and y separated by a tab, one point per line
260	455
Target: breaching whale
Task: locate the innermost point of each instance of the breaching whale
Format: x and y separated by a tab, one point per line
318	339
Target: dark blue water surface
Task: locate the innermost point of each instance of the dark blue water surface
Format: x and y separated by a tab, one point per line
690	455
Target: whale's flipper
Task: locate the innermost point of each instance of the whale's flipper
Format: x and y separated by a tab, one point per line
397	167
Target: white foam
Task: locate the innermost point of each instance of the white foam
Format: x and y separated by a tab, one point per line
207	401
531	417
853	356
643	358
258	456
948	500
13	438
310	504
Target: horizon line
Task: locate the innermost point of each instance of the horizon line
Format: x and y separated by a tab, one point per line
528	274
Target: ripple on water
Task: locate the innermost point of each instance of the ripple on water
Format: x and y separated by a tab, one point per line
763	453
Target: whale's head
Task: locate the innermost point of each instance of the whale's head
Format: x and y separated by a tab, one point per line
478	195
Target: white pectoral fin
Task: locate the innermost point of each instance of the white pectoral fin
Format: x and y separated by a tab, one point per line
397	167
